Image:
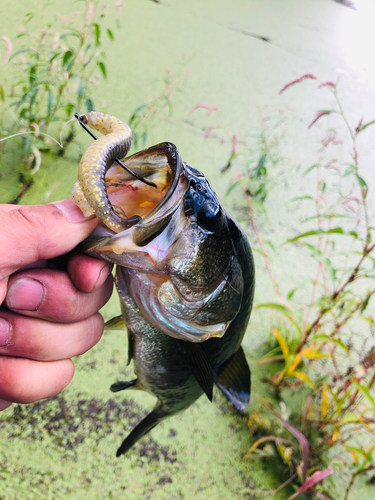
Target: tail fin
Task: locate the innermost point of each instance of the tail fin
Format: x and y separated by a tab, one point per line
148	423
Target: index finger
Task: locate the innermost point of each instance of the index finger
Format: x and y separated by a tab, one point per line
31	233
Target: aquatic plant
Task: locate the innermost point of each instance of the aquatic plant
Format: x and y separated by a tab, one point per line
324	346
55	63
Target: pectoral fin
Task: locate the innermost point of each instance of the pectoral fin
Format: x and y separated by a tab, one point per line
234	380
199	364
116	323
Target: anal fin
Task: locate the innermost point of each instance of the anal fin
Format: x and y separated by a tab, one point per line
121	386
234	380
199	363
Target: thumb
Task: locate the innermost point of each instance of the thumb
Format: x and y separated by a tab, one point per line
30	233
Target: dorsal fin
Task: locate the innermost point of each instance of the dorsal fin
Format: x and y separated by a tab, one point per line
116	323
234	380
199	363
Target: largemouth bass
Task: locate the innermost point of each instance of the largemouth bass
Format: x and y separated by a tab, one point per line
185	272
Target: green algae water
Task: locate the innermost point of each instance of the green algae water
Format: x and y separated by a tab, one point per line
234	56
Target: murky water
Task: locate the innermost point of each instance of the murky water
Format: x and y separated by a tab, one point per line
235	56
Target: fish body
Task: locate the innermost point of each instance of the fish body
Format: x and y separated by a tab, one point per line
185	278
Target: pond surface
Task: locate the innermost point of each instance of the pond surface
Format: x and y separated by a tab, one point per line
233	56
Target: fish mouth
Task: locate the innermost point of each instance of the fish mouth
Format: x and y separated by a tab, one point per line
132	199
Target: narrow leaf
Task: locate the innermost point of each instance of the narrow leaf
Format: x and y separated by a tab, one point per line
283	345
296	433
68	54
97	34
325	404
365	392
102	69
89	105
314	232
232	186
309	169
298	198
312	481
302	376
365	303
110	34
49	102
80	89
281	309
365	126
260	167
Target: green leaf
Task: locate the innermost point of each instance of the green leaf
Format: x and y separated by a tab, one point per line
97	34
68	54
231	187
21	52
54	56
89	105
366	454
310	169
314	232
69	109
327	338
136	112
80	89
363	184
328	216
350	418
28	17
365	126
260	168
297	198
110	34
33	97
365	303
288	313
49	102
72	32
365	392
350	170
2	95
318	255
102	69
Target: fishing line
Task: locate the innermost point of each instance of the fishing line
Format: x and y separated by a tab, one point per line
32	132
142	179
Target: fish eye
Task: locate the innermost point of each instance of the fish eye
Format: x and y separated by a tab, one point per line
210	216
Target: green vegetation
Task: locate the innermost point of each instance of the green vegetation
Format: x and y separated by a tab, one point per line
322	346
54	69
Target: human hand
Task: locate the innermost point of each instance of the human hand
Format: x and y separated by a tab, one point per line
49	312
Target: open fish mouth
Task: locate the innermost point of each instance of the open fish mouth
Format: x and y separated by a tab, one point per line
154	206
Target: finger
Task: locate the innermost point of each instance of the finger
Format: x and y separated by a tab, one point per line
50	295
87	274
7	207
40	232
4	404
25	381
44	341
